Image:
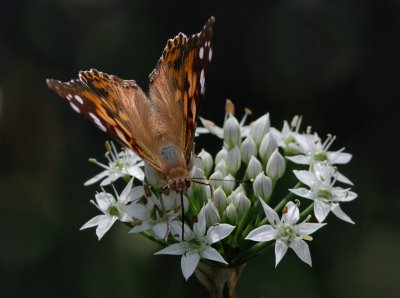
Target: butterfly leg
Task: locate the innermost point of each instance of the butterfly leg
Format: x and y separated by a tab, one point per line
206	184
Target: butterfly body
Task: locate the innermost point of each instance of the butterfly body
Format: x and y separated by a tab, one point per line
159	127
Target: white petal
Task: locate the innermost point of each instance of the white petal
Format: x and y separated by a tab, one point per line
263	233
175	228
124	194
273	218
93	222
280	251
104	226
199	228
342	178
321	210
212	254
212	127
144	226
161	230
340	214
96	178
110	179
299	159
218	232
189	263
301	192
136	172
104	200
306	177
135	194
343	195
292	215
339	157
173	249
309	228
301	249
137	211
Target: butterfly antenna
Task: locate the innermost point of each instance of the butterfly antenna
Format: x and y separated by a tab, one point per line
183	219
223	180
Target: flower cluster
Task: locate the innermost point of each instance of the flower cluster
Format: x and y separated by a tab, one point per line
231	204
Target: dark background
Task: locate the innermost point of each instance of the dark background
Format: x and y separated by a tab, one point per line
335	62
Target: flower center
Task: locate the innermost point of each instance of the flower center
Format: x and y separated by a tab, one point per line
285	231
113	210
325	193
320	156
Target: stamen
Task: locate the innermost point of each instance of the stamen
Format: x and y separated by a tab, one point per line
229	107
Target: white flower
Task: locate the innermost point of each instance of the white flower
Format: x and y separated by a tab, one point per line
197	243
314	151
287	136
120	164
254	168
286	232
232	135
154	215
112	209
211	127
267	146
326	197
204	161
233	160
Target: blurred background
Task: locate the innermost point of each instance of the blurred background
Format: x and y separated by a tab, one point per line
335	62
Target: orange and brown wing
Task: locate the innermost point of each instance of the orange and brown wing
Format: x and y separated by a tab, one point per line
177	84
114	105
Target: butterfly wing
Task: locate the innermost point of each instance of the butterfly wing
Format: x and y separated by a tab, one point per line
177	84
114	105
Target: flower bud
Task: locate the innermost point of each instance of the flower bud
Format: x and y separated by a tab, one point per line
153	177
211	213
262	186
232	135
221	155
220	200
248	149
259	128
276	165
216	179
233	160
231	214
221	167
206	162
254	168
229	184
267	146
242	203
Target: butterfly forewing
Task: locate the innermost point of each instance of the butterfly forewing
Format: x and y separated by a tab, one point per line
179	79
161	128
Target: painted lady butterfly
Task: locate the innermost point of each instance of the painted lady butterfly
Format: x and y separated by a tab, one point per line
160	128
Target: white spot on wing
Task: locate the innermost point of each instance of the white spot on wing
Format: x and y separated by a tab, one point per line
79	99
202	81
97	122
201	53
210	54
75	108
69	96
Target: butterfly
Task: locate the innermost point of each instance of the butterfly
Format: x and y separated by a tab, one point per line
159	127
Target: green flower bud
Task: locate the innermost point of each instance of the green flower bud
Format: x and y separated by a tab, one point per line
231	214
220	200
229	184
233	160
276	166
211	213
248	149
232	135
262	186
259	128
206	162
267	146
254	168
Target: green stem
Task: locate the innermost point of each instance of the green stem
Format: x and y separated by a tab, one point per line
252	252
306	212
154	239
